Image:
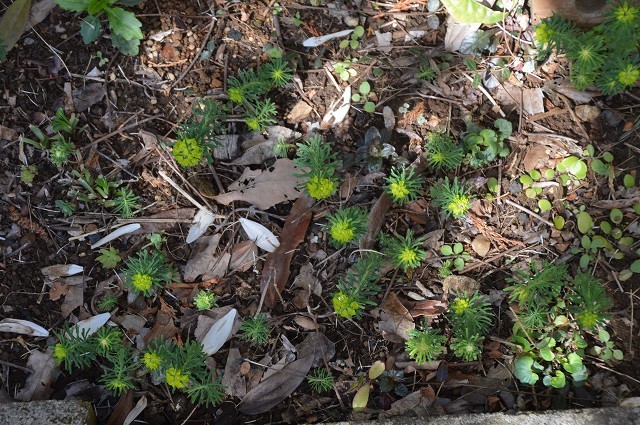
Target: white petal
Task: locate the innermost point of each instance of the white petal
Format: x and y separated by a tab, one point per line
219	333
317	41
24	327
92	324
201	223
59	270
116	234
260	235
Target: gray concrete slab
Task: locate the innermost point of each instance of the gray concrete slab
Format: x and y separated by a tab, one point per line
51	412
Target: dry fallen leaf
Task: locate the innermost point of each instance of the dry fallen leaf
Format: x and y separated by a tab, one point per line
481	245
266	188
275	272
234	382
58	289
455	284
272	390
73	299
395	320
429	308
37	386
243	256
204	260
417	403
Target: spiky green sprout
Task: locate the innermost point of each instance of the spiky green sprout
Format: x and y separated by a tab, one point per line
318	166
107	339
256	330
107	303
404	251
205	299
357	286
247	86
588	301
60	151
259	114
470	314
277	72
204	126
281	148
424	344
74	348
119	375
125	202
467	347
346	225
539	287
426	73
403	185
157	354
147	272
443	152
453	198
320	380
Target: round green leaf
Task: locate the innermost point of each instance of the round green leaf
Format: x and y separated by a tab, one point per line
616	216
616	233
526	180
344	75
365	88
458	263
356	97
544	205
585	259
344	44
531	193
598	242
629	181
590	151
600	167
558	222
625	275
535	175
626	241
585	222
617	354
564	179
603	335
635	266
585	241
369	107
358	31
354	44
446	250
606	227
457	248
549	174
607	156
492	184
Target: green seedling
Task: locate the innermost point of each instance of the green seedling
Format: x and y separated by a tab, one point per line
107	303
468	347
102	60
318	165
28	173
354	40
364	93
259	114
424	344
426	73
102	191
205	300
124	26
357	286
344	70
281	148
256	330
485	145
296	20
470	315
347	225
66	208
156	240
460	257
147	272
442	152
109	258
198	135
124	202
608	351
452	197
69	125
528	182
403	185
404	251
320	380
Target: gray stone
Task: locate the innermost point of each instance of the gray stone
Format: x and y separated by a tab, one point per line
52	412
604	416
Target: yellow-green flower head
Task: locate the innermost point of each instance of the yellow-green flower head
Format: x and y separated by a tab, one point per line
236	95
588	319
460	305
253	124
459	205
403	186
320	187
342	232
543	33
152	361
141	282
344	305
187	152
118	385
176	378
409	256
629	75
59	352
625	13
204	300
399	190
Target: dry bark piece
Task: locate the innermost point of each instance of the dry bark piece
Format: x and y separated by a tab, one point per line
275	272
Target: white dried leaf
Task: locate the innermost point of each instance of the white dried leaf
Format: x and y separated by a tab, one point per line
23	327
201	223
116	234
317	41
92	324
260	235
59	270
219	333
336	115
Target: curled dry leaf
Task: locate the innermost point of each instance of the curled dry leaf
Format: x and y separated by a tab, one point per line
272	390
275	272
260	235
59	270
135	412
37	386
23	327
243	256
416	404
429	308
204	260
129	228
395	320
201	222
219	333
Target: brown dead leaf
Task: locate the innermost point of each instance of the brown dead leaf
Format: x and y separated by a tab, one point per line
243	256
418	403
37	386
309	284
266	188
316	344
272	390
395	320
377	218
455	284
306	323
233	381
481	245
275	272
121	409
57	290
73	299
204	260
429	308
163	328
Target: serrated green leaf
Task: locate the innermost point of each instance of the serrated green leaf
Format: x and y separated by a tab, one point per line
97	6
90	29
472	12
74	5
124	23
13	22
